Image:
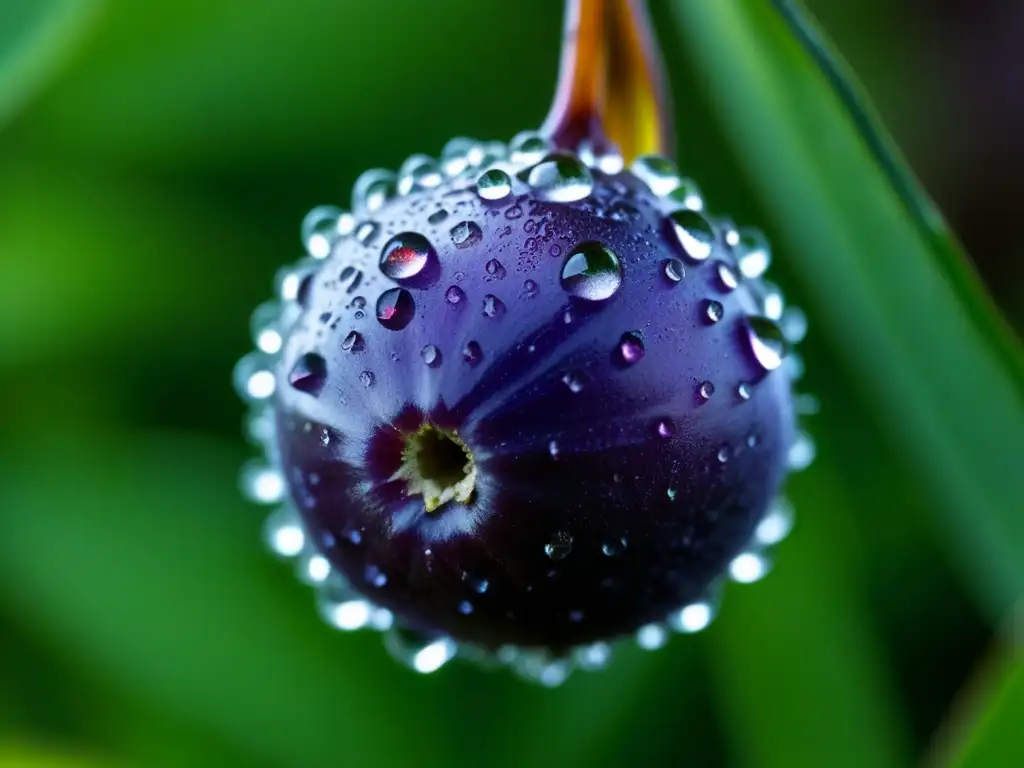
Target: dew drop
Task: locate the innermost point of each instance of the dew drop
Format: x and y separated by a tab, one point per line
561	178
755	255
553	449
574	382
495	269
673	270
614	547
706	390
743	390
437	216
431	355
406	255
367	379
530	289
265	328
713	311
527	148
454	294
494	184
657	172
395	309
559	547
688	195
455	155
766	342
466	234
723	454
320	230
418	172
465	608
367	232
727	279
475	583
353	342
472	354
631	348
372	189
592	272
695	233
375	576
664	428
493	306
309	374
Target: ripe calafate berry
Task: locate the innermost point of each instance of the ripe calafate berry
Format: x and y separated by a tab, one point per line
524	397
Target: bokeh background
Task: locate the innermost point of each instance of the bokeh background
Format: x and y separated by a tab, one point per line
155	161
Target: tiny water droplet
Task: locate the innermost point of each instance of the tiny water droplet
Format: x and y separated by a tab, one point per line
309	374
437	216
478	585
727	279
713	311
559	547
574	382
723	454
431	355
494	184
706	390
657	172
743	390
614	547
553	449
454	294
472	353
592	272
665	428
673	270
418	172
406	255
561	178
671	493
320	230
688	195
695	233
367	232
495	269
493	306
753	440
527	147
372	189
375	576
353	342
466	234
395	309
631	348
465	608
367	379
530	289
766	342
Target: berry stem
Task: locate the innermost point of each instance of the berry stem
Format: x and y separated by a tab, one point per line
611	85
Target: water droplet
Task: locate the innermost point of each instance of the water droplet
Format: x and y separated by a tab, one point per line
723	454
651	637
755	255
261	483
375	576
320	230
614	547
713	311
692	618
665	428
748	567
406	255
494	184
672	493
420	652
766	342
478	585
465	608
631	348
753	440
418	172
395	309
527	148
794	324
553	449
455	155
529	289
372	189
353	342
657	172
437	216
726	277
673	270
606	159
283	532
466	234
454	294
495	269
801	453
353	277
706	390
775	525
309	374
367	232
367	379
559	547
592	272
695	233
744	390
431	355
265	328
561	178
574	382
493	306
472	353
688	195
567	316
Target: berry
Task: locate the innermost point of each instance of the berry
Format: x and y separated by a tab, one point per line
522	401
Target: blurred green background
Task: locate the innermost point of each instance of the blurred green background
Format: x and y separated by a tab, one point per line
155	161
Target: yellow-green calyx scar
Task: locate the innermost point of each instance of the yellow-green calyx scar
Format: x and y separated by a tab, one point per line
437	465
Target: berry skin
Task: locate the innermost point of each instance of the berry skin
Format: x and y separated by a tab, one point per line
528	402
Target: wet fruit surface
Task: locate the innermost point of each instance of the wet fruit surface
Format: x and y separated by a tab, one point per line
598	365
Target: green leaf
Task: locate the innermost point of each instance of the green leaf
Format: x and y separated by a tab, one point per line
135	557
887	283
993	737
36	37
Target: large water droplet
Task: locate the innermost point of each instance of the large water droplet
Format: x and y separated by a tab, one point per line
406	255
494	184
559	547
395	308
418	172
455	155
688	195
766	342
466	234
657	172
561	178
309	374
754	254
493	306
527	147
592	272
631	348
372	189
695	233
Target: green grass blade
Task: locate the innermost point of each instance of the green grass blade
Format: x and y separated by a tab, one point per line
889	287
